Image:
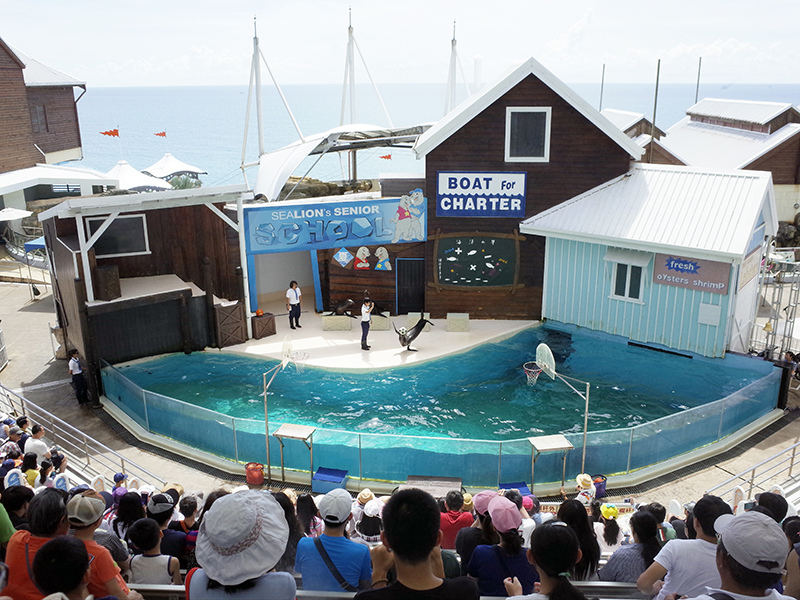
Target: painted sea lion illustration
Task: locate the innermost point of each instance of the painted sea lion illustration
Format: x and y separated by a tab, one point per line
409	335
343	307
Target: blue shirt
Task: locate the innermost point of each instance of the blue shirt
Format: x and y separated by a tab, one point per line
350	558
486	565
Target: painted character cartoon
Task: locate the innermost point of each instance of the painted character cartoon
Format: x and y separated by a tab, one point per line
383	264
362	256
408	224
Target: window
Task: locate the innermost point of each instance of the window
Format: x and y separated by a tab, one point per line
528	134
628	281
38	119
126	236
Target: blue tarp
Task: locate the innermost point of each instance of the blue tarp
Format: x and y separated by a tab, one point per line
37	244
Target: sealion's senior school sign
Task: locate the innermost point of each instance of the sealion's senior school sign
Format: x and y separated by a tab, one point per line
692	273
308	225
478	194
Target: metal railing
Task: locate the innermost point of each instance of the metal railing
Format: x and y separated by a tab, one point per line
91	455
761	476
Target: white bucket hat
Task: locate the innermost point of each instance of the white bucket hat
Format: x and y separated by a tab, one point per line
242	537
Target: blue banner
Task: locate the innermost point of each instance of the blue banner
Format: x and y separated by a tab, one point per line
315	225
478	194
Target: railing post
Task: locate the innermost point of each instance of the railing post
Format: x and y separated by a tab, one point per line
146	416
53	431
791	464
86	450
360	471
500	464
752	482
630	451
721	420
235	444
122	463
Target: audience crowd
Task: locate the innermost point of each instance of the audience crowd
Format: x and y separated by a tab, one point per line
251	543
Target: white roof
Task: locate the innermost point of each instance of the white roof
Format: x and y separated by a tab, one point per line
168	165
37	74
662	208
719	147
131	179
622	118
104	205
51	174
12	214
748	111
477	103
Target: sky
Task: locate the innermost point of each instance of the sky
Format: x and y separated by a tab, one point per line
209	42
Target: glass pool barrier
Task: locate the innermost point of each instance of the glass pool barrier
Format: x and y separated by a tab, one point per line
389	457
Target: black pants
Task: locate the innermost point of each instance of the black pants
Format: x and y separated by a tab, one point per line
294	313
364	333
80	387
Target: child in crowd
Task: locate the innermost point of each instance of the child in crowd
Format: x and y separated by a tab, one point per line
188	508
151	566
29	468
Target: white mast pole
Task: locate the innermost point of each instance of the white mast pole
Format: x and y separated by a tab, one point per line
259	114
450	93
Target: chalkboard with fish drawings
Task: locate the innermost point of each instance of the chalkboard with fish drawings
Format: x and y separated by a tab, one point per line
476	260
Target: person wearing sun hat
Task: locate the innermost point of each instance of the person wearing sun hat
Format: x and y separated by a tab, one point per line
331	562
586	489
751	553
607	530
239	543
358	505
481	531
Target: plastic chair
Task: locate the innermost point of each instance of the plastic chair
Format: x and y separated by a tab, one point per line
14	477
99	484
61	482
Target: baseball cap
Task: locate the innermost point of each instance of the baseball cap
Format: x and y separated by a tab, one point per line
120	477
85	508
14	430
505	514
335	506
527	503
481	500
754	540
160	503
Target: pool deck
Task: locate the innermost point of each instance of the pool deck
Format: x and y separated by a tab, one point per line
342	349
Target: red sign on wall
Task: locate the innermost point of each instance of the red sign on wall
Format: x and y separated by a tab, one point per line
692	273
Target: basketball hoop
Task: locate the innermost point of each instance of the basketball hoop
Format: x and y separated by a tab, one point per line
532	372
299	360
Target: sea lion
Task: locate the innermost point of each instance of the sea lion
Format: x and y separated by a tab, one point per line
343	307
409	335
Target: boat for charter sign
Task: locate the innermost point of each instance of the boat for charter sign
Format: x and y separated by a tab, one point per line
477	194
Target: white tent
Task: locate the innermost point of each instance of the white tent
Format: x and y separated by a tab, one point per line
12	214
131	179
169	166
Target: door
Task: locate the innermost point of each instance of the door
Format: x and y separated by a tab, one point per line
410	281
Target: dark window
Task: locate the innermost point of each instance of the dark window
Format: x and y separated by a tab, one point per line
126	236
39	119
528	134
628	281
622	280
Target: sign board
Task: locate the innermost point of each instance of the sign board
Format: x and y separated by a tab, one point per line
690	273
476	260
310	225
476	194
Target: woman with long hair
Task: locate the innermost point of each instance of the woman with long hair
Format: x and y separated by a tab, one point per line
29	469
308	516
286	561
606	529
554	552
573	513
191	537
627	563
45	468
492	565
482	532
129	510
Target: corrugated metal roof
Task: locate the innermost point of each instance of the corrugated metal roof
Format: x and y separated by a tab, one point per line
622	118
710	214
719	147
475	104
50	174
748	111
37	74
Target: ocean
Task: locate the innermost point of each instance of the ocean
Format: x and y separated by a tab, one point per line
205	125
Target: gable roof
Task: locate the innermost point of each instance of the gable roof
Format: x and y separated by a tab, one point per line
719	147
478	102
37	74
622	118
707	214
747	111
12	54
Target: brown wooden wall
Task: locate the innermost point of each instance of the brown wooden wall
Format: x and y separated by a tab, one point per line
179	240
339	283
783	161
581	157
63	132
660	156
16	135
64	287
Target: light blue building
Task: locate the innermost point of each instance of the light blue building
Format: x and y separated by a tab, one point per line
663	255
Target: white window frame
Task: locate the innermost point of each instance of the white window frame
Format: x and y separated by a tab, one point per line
548	111
141	216
629	269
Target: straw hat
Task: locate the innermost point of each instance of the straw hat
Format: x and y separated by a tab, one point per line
468	505
584	480
242	537
365	496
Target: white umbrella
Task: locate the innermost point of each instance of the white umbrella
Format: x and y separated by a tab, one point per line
168	166
131	179
12	214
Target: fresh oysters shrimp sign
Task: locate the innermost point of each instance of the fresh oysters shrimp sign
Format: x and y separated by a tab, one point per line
477	194
692	273
310	225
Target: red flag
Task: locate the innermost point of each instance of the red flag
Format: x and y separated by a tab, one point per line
161	134
386	157
111	133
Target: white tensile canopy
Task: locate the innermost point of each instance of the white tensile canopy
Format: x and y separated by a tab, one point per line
131	179
169	166
12	214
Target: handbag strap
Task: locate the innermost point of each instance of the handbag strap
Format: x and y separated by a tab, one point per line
502	560
343	583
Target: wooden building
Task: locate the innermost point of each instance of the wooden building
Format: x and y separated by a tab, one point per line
517	148
143	274
38	113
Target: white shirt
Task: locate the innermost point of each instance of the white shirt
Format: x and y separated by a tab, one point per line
293	295
37	446
75	366
599	529
691	567
772	595
366	312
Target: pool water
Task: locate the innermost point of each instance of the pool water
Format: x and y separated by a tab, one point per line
478	394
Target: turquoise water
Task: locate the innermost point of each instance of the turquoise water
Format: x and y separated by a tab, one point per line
479	394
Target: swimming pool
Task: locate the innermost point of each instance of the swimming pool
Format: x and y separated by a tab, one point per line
467	415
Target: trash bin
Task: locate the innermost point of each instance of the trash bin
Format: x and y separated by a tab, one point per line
254	473
599	485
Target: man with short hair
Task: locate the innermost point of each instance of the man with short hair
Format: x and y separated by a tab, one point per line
774	503
14	435
411	539
454	519
331	562
62	566
750	556
16	500
687	567
160	508
36	444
